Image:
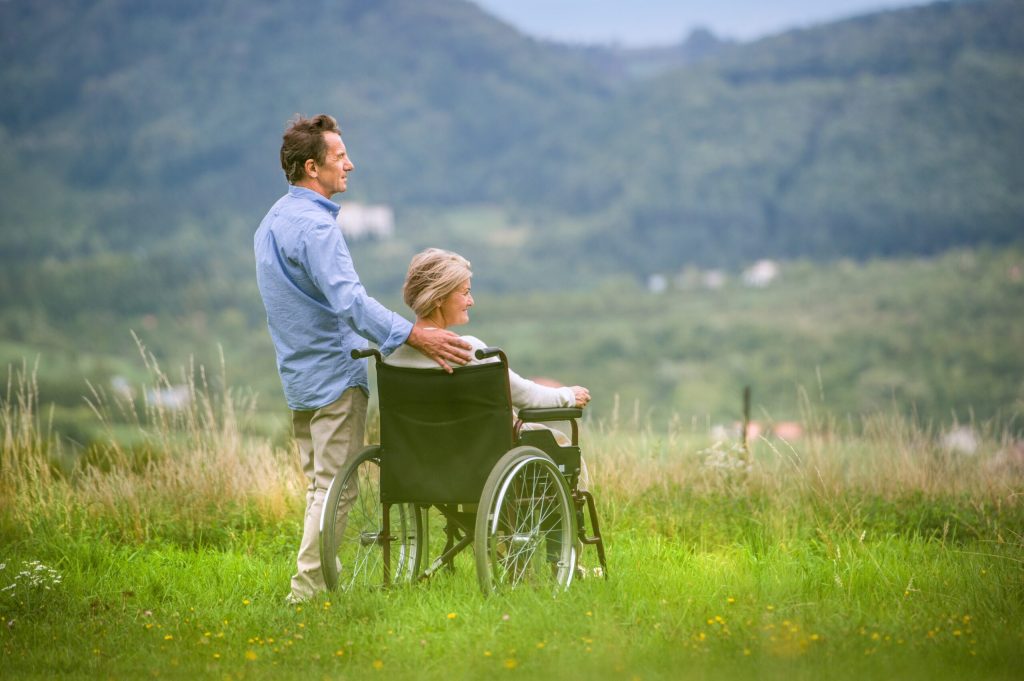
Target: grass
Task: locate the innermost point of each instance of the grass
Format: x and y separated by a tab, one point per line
878	554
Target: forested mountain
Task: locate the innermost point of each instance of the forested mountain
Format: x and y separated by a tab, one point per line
894	133
138	140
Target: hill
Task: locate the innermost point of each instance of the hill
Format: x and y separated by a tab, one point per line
138	150
881	135
152	128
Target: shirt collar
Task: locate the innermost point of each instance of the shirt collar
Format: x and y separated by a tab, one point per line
303	193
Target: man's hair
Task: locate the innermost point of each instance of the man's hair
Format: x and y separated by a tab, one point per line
303	140
433	275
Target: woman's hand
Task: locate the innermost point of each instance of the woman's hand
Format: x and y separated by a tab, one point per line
582	395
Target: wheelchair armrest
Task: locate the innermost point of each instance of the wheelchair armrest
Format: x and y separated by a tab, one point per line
366	352
542	415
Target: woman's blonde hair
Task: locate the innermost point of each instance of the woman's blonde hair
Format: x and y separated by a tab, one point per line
433	275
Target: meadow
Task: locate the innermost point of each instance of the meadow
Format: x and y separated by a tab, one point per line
876	553
937	339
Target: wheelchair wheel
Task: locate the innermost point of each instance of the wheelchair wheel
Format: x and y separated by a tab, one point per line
525	528
351	546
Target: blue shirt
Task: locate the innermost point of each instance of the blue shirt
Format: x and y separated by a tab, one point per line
317	309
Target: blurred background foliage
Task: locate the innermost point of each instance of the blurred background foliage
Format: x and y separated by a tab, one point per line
879	158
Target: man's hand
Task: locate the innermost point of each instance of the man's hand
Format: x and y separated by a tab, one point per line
441	346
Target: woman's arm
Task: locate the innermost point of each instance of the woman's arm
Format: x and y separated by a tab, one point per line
527	394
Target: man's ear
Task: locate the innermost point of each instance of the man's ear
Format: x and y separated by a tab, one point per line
310	167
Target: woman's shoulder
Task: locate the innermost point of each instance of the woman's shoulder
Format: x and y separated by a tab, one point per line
408	356
475	342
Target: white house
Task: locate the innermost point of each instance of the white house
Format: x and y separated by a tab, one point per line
361	221
172	397
761	273
657	283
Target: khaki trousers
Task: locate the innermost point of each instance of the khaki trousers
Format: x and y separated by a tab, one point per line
327	438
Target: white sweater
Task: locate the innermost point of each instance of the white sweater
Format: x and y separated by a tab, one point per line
525	393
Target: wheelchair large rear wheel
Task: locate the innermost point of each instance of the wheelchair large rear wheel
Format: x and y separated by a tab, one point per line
351	545
525	530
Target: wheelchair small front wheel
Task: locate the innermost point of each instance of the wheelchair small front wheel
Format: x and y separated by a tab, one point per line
352	534
525	527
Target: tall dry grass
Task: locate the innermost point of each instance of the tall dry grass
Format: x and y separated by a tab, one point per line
190	468
27	479
883	455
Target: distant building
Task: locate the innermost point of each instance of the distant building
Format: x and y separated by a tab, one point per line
366	221
174	397
761	273
713	279
657	283
961	440
788	430
121	387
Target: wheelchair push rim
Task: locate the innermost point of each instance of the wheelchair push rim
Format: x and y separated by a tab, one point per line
525	532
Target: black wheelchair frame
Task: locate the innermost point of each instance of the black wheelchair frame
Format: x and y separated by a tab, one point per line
449	442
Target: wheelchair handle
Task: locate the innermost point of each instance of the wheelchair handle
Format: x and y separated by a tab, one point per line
366	352
492	351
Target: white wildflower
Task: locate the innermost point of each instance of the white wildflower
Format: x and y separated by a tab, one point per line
726	460
34	576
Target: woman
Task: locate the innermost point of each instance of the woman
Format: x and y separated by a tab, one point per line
437	289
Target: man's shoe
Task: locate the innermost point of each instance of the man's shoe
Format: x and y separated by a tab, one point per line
292	599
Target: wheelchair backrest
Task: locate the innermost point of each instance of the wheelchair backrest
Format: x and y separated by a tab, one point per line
440	433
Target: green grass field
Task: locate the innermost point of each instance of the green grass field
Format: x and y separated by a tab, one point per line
878	555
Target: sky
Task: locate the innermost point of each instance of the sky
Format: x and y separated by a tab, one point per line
638	23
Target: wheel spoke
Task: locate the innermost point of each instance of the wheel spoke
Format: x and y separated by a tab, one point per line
527	531
357	545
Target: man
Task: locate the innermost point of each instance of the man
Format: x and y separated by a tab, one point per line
317	312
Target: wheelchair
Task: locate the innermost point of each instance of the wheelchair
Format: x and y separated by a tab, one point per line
448	445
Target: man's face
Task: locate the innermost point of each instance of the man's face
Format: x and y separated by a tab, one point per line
331	177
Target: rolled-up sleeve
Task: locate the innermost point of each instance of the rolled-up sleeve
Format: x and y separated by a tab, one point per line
332	270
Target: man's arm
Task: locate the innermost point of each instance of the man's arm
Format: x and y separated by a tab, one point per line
333	271
329	264
440	345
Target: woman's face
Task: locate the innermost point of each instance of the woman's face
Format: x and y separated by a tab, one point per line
455	308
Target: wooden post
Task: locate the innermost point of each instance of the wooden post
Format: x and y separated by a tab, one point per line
746	421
